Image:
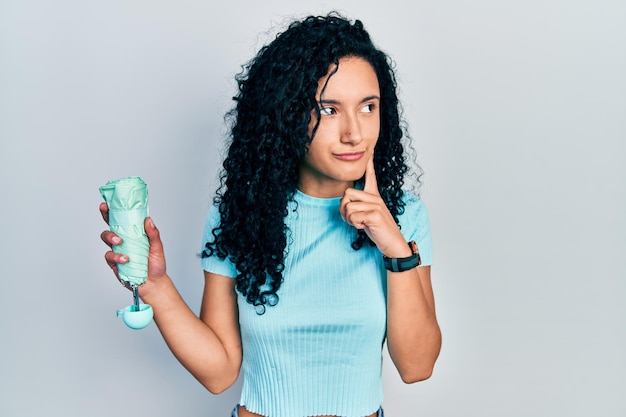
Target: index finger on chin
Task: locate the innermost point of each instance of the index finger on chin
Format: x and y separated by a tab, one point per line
371	185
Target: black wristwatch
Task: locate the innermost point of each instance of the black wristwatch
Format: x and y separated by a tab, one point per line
404	264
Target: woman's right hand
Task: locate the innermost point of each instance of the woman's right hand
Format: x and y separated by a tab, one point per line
208	346
156	256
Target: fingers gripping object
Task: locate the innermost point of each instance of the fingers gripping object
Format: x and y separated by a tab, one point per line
127	199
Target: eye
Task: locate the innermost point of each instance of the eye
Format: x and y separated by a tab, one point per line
327	111
368	108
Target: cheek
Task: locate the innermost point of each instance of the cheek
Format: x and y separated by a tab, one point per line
314	149
373	129
325	136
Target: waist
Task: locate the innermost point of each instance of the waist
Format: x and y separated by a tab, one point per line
241	411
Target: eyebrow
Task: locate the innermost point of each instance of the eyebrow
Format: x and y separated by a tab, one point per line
363	100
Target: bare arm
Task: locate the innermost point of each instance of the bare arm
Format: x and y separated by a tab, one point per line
209	346
413	334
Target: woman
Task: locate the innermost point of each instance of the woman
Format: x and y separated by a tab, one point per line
313	253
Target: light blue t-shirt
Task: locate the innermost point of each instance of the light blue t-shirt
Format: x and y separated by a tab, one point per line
319	350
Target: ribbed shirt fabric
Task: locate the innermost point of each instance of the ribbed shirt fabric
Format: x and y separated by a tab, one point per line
319	350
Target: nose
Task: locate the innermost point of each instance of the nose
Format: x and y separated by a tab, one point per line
351	129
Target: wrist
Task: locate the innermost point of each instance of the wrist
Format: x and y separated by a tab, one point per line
152	289
404	263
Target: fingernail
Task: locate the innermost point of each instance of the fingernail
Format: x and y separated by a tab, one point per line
151	223
116	240
123	258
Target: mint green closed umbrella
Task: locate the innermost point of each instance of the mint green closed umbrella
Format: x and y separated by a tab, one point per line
127	199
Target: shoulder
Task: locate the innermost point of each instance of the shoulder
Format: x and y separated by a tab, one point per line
414	208
212	221
415	225
213	262
212	217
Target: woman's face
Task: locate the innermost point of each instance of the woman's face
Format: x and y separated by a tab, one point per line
347	132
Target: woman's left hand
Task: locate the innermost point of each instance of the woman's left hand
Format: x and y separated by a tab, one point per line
366	210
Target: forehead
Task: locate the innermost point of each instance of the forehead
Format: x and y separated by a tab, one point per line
353	76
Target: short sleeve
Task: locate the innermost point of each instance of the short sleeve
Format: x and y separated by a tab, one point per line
415	225
213	263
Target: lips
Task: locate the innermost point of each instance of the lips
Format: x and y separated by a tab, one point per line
349	156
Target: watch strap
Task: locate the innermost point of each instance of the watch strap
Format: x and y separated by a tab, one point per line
403	264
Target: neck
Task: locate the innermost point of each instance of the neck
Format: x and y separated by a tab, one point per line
325	190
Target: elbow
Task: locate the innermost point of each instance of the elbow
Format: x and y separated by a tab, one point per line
417	375
422	366
218	386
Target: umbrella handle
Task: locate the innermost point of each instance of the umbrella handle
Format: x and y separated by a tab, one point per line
136	298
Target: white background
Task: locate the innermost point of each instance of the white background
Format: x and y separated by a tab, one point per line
518	113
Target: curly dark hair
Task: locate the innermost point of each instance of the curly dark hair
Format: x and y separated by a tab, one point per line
269	139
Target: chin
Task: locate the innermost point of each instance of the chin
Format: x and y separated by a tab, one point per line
350	178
